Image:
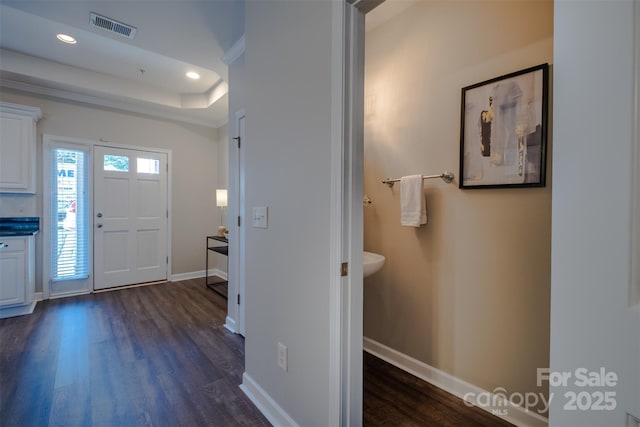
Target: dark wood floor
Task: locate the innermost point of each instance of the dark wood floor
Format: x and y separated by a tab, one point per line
160	356
393	397
155	355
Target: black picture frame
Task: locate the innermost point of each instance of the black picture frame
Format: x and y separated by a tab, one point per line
503	131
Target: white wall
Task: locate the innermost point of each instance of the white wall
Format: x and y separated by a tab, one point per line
591	324
195	167
287	149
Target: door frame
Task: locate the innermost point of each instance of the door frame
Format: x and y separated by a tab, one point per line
634	285
346	223
347	228
235	320
48	140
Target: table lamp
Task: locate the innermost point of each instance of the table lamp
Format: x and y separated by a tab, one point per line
221	201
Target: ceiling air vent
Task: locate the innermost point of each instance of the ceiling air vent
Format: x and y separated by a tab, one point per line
112	25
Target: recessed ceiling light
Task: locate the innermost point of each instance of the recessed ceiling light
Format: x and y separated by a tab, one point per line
193	75
66	39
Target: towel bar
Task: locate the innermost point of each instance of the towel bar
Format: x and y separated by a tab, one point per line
446	177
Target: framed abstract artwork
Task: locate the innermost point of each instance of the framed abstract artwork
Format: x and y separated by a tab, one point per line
503	130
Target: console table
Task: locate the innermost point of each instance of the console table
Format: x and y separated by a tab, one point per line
219	286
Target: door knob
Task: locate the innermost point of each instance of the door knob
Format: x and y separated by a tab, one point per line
99	225
99	215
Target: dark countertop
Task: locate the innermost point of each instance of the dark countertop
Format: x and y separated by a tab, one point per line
19	226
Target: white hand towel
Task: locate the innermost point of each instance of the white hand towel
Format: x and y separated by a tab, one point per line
413	209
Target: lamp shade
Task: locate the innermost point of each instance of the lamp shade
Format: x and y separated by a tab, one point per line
221	197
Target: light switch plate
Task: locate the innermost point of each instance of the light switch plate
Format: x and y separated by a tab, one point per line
260	217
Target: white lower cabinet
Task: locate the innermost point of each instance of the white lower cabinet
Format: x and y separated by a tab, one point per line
17	278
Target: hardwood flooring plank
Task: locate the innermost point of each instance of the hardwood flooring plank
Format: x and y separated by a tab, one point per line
160	356
142	356
27	387
71	406
393	397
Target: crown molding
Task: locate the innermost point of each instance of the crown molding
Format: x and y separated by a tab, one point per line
107	103
8	107
235	52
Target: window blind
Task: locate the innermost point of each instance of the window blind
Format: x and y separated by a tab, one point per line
69	214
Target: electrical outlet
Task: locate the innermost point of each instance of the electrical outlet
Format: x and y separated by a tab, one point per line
283	356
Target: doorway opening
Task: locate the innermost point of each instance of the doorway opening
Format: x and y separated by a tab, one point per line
106	218
487	247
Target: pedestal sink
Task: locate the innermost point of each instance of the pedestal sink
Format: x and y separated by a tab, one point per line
371	263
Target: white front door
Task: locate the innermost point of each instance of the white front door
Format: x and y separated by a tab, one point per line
130	217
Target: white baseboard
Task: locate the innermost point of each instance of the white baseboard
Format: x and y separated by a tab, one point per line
230	324
38	296
20	310
514	414
198	274
269	408
73	294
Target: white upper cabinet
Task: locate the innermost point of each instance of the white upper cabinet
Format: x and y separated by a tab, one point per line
18	148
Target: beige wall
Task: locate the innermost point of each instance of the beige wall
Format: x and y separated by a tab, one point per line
195	167
221	262
223	165
469	292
